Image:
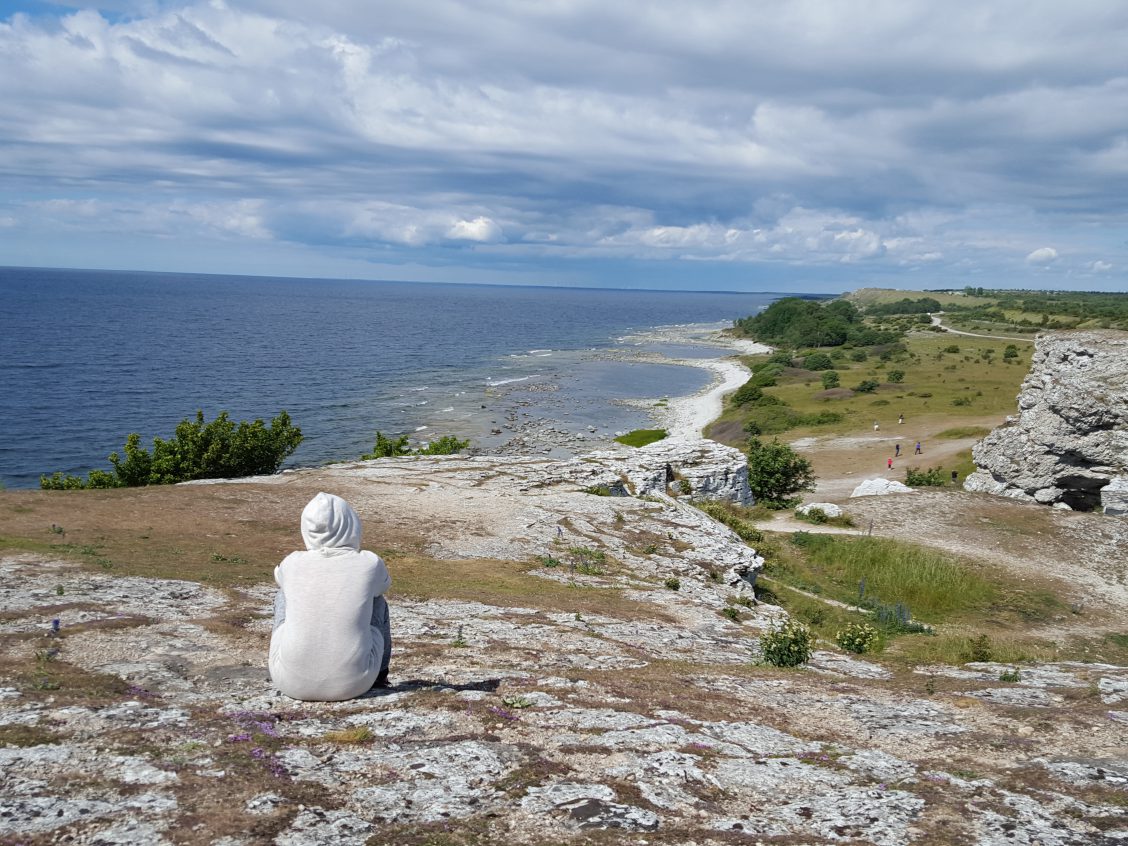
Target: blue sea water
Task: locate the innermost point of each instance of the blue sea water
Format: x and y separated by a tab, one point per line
87	357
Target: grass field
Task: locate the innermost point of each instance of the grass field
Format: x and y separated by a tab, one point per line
940	389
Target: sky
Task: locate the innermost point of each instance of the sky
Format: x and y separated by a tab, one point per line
760	145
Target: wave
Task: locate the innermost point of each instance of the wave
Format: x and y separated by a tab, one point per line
495	383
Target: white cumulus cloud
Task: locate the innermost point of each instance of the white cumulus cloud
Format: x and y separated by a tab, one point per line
1042	255
480	229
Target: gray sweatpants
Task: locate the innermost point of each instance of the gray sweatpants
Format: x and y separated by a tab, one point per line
381	621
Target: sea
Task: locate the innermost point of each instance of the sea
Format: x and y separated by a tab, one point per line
89	356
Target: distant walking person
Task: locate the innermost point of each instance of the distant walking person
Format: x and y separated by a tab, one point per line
890	464
875	426
896	450
901	419
918	448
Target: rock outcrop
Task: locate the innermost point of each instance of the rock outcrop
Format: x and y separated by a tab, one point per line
1068	445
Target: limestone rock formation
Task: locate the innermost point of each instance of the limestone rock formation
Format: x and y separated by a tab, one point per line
697	468
1068	444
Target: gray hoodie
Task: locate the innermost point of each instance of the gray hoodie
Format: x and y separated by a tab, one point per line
326	649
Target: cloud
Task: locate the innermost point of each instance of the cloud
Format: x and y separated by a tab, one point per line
1100	266
479	229
912	137
1042	255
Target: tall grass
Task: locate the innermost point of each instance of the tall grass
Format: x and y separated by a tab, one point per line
934	586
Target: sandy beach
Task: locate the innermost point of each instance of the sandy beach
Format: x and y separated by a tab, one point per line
686	417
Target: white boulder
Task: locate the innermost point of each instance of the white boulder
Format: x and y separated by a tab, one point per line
880	487
827	508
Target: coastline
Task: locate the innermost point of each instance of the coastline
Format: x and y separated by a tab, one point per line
685	417
536	431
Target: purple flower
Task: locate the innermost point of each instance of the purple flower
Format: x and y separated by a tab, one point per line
259	753
238	738
501	712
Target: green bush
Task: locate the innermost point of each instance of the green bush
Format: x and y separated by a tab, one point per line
746	393
197	450
858	355
952	348
895	376
446	445
776	473
818	361
830	379
673	583
858	638
393	447
933	477
787	645
388	447
979	649
1010	352
866	386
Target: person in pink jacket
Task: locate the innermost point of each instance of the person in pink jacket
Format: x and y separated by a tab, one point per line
332	634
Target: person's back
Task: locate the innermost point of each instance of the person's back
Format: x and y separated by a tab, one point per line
327	644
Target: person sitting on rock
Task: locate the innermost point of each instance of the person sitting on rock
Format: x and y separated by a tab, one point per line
332	637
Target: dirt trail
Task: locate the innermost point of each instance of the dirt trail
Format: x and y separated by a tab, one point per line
936	322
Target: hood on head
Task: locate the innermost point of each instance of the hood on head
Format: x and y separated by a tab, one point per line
329	523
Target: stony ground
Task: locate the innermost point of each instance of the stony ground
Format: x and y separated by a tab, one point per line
593	704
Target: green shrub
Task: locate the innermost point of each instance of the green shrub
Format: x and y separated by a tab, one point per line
388	447
393	447
673	583
1010	352
858	638
858	355
446	445
895	376
731	613
961	401
684	487
952	348
830	379
932	477
813	515
1011	675
197	450
866	386
746	393
787	645
979	649
818	361
776	473
597	490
